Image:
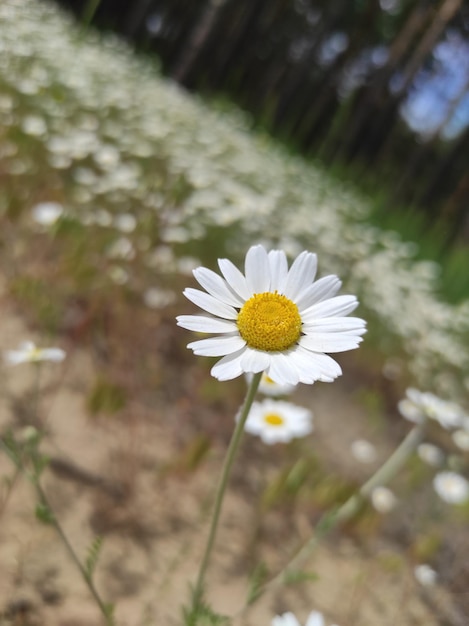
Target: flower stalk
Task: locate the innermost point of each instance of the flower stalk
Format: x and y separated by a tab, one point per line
223	481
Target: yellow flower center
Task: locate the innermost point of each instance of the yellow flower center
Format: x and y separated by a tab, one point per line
269	322
273	419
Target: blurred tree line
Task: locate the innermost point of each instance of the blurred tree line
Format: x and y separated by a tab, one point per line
378	89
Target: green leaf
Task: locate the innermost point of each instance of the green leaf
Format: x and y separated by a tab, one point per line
256	581
298	576
92	556
44	514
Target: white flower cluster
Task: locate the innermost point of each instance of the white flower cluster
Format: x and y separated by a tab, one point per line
417	406
139	141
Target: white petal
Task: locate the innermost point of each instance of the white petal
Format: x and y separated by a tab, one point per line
52	354
228	367
254	361
335	325
315	619
340	305
287	619
210	304
202	324
329	342
281	370
330	369
257	270
217	346
322	289
217	287
278	269
234	278
301	274
307	368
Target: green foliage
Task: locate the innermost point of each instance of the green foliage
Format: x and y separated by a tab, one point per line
201	614
256	581
105	397
293	577
44	514
92	556
35	295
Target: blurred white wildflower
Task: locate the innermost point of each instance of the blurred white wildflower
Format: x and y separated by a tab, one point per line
118	275
275	421
418	405
461	439
383	499
273	319
363	451
29	353
270	388
288	619
121	248
47	213
451	487
431	454
425	575
156	298
125	222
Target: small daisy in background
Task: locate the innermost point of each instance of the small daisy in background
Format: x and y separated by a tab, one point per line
461	439
417	405
451	487
363	451
431	454
269	387
275	421
425	575
47	213
383	499
29	353
288	619
273	319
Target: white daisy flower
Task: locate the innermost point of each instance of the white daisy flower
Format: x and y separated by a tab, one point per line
425	575
29	353
269	387
363	451
418	405
383	499
461	439
288	619
47	213
273	319
431	454
451	487
275	421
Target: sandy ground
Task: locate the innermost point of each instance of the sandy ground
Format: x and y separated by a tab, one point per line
123	479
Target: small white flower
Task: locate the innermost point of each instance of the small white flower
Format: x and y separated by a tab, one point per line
47	213
383	499
125	222
273	319
269	387
431	454
425	575
418	405
363	451
288	619
275	421
156	298
451	487
461	439
29	353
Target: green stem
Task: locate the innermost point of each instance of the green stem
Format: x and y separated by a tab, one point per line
229	458
105	609
331	520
